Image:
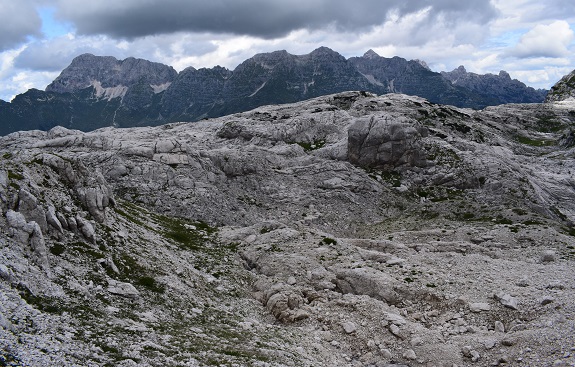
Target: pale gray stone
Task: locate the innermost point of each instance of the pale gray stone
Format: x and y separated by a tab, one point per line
349	327
479	307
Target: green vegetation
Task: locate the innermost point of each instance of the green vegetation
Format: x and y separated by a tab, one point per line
316	144
535	142
151	284
45	304
548	124
57	249
15	175
391	177
327	241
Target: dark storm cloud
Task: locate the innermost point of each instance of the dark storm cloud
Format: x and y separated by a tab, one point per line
18	20
260	18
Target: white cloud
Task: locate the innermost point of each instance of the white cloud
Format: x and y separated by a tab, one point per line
551	40
18	21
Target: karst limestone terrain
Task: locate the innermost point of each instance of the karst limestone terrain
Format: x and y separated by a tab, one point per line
346	230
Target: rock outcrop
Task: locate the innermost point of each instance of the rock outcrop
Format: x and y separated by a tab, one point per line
346	230
385	142
563	90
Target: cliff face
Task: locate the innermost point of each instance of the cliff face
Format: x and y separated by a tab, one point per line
95	91
345	229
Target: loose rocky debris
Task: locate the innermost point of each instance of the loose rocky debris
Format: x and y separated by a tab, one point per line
391	232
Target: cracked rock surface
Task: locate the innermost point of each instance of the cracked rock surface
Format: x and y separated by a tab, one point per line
347	230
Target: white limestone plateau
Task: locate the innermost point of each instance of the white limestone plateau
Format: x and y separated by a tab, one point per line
346	230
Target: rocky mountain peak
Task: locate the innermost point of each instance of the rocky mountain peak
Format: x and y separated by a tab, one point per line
370	54
504	75
108	72
422	63
563	90
499	86
460	69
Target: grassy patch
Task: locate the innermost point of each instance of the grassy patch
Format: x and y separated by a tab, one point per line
535	142
57	249
309	146
151	284
327	241
45	304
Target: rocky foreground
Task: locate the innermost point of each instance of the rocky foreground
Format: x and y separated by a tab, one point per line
347	230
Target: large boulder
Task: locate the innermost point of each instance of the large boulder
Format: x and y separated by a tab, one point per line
28	206
385	143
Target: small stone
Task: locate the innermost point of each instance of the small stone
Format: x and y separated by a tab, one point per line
499	327
524	282
548	256
479	306
395	330
300	315
386	353
395	319
475	356
416	341
556	284
349	327
466	351
507	300
395	261
489	344
509	342
547	300
409	354
122	289
291	281
5	273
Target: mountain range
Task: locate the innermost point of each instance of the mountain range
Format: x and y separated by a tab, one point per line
96	91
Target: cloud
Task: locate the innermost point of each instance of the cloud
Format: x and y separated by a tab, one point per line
18	21
56	53
15	81
266	19
551	40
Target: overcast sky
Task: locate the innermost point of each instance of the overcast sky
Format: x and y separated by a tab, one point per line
534	40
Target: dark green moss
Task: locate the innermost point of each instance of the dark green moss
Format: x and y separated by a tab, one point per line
151	284
309	146
328	241
57	249
15	175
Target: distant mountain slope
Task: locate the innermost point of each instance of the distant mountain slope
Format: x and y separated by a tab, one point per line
96	91
564	89
397	75
500	87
